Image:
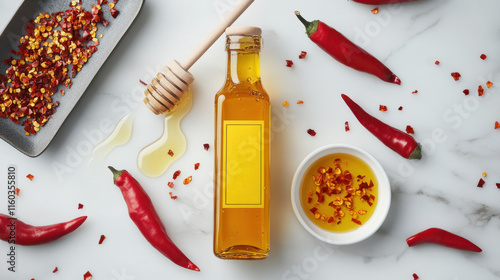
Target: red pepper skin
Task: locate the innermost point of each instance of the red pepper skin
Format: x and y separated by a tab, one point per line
381	2
397	140
442	237
345	51
35	235
144	215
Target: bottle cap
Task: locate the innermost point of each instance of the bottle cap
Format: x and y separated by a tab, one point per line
243	30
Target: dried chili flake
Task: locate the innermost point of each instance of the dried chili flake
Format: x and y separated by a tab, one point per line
80	206
414	92
456	76
176	174
142	82
313	210
375	11
480	183
309	199
187	180
498	185
174	197
206	146
497	125
170	185
480	90
101	239
289	63
302	55
196	166
415	276
87	276
409	130
55	270
356	221
29	176
300	102
437	62
382	108
170	153
466	91
311	132
285	104
400	108
114	12
17	191
489	84
346	126
484	174
483	56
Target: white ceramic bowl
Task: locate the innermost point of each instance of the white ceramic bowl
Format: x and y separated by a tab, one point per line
381	210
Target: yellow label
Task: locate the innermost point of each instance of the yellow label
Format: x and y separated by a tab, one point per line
243	164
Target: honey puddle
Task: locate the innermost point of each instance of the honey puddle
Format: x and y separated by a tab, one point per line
119	136
154	159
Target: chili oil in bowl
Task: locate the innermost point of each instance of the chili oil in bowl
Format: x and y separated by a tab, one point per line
340	194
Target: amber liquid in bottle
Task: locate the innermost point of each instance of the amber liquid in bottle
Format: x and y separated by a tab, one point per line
242	154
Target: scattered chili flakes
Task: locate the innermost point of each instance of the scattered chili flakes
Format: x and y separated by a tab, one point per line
17	191
375	11
489	84
480	90
456	76
302	55
409	130
356	221
142	82
289	63
400	108
187	180
285	104
346	125
437	62
170	153
206	146
170	185
414	92
415	276
176	174
196	166
300	102
466	91
311	132
480	183
483	56
498	185
382	108
497	125
87	276
102	239
80	206
55	270
174	197
29	176
114	12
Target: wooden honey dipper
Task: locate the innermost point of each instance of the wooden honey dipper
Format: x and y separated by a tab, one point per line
165	91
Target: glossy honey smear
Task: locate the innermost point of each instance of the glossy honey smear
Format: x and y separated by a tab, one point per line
119	136
340	204
154	159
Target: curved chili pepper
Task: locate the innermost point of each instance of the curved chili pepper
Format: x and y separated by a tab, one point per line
345	51
15	231
381	2
397	140
143	214
442	237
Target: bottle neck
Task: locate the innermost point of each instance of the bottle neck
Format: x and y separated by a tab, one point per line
243	65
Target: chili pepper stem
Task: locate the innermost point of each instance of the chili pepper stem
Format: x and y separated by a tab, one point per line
116	173
311	26
417	153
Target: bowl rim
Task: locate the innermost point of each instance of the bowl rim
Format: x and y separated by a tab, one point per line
379	215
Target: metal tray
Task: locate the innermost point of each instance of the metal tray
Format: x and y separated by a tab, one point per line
14	134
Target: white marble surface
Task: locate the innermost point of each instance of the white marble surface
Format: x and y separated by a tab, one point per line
439	190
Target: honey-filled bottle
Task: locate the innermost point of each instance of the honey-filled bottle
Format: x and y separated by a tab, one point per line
242	152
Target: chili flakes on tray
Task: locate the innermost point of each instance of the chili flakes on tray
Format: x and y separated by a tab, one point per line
311	132
489	84
466	91
456	76
481	182
483	56
497	125
289	63
480	90
382	108
87	275
54	49
346	125
302	55
409	130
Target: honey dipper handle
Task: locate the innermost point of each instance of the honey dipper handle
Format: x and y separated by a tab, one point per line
216	33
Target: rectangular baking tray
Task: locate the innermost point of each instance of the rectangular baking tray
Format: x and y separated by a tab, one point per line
14	134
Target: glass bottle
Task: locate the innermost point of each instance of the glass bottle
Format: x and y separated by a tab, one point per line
242	152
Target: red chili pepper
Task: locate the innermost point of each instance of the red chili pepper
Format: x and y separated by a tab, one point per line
25	234
143	214
381	2
442	237
397	140
345	51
